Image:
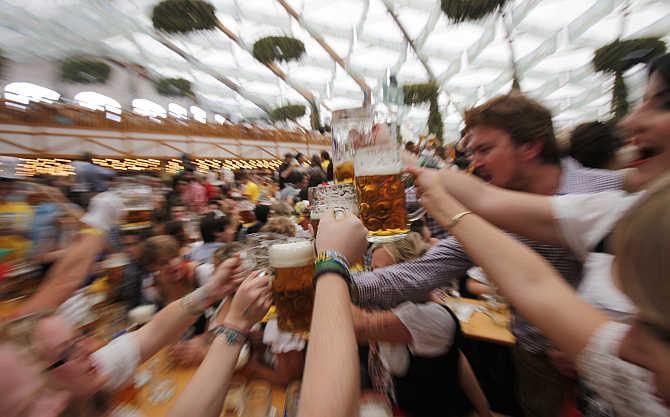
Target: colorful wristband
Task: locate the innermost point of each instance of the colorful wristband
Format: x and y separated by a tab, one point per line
331	262
230	334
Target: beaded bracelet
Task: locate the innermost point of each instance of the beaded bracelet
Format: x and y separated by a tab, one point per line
330	261
230	334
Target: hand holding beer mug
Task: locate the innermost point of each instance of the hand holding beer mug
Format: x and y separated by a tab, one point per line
292	288
378	179
345	235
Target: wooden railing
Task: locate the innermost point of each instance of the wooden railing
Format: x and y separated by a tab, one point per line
70	115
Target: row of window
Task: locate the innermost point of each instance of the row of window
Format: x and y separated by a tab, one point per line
24	93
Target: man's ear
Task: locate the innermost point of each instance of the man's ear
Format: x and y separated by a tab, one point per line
531	150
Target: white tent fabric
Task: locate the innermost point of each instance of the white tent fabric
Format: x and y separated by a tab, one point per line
553	43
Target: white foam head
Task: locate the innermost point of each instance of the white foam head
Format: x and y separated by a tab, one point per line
291	254
377	161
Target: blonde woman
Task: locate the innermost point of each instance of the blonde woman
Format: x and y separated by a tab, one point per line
413	353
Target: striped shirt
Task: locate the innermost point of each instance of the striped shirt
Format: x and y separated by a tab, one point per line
447	261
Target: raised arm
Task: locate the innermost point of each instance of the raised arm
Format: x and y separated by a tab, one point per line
522	213
331	381
172	321
531	285
71	270
205	393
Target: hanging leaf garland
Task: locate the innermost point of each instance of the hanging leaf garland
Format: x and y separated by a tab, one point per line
426	93
85	71
620	56
470	10
278	48
288	112
183	16
173	87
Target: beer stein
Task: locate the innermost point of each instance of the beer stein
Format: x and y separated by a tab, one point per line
326	198
378	171
292	287
347	125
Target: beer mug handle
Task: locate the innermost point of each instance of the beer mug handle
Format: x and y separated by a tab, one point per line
409	159
417	214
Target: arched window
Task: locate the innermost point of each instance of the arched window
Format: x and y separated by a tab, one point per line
24	93
96	101
199	114
175	110
148	108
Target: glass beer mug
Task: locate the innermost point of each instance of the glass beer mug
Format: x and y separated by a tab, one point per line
335	197
346	126
378	172
292	287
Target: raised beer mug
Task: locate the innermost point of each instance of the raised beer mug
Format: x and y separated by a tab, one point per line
378	179
347	126
292	286
340	198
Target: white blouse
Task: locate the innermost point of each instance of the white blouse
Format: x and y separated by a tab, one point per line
629	388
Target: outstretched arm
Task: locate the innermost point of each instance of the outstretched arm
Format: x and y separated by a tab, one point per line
331	381
531	285
522	213
205	393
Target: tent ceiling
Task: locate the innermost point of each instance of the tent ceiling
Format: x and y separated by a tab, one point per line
553	42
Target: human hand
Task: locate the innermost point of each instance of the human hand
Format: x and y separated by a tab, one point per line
430	189
251	301
104	211
225	280
345	235
189	353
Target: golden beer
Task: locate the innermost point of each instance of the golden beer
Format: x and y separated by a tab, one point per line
344	172
382	206
292	287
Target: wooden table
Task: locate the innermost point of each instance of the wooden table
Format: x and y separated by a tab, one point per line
482	326
181	378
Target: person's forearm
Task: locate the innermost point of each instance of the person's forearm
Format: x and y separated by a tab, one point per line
205	393
66	275
527	214
532	286
411	281
330	385
380	326
471	387
168	325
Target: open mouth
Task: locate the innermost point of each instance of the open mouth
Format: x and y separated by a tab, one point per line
645	154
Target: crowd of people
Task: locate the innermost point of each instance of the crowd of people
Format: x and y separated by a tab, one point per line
571	236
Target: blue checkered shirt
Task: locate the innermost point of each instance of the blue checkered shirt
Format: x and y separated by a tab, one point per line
447	261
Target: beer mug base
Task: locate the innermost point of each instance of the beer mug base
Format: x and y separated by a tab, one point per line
386	238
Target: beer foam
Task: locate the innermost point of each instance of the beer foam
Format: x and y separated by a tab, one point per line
287	255
376	161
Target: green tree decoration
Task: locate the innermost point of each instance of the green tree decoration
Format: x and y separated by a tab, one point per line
470	10
426	93
288	112
173	87
618	57
183	16
278	48
85	71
